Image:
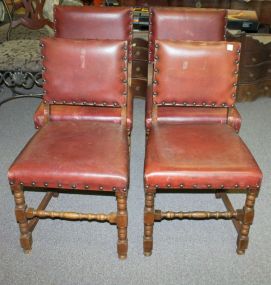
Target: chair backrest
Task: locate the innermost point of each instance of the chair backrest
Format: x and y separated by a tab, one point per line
102	23
186	24
80	72
190	73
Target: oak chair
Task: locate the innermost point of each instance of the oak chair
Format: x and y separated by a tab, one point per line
86	154
90	23
184	24
197	153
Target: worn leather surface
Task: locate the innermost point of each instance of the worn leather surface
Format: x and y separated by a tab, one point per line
85	71
79	153
67	112
197	115
196	73
199	156
186	24
88	22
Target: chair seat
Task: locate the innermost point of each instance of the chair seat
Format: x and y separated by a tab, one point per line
74	154
199	156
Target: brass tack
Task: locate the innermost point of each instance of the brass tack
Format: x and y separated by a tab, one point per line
59	185
232	105
86	186
173	103
11	183
194	103
233	95
42	45
104	103
73	186
54	102
115	104
156	70
124	189
156	46
238	51
248	186
125	47
146	186
84	103
163	103
45	184
236	72
258	186
150	32
222	186
181	185
195	186
42	57
43	68
21	183
154	82
156	57
125	58
125	69
168	186
101	188
237	61
209	186
94	103
33	183
114	188
73	102
236	185
124	93
213	104
130	33
203	103
156	186
234	84
184	103
125	81
44	92
154	93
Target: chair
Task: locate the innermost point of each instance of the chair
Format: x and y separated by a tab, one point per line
20	63
78	155
197	155
95	23
184	24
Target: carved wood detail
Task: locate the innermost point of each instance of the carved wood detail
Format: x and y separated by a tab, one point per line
111	217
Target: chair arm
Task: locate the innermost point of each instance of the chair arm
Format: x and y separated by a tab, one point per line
234	119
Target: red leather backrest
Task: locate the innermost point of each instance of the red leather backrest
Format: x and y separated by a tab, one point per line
102	23
186	24
190	73
91	72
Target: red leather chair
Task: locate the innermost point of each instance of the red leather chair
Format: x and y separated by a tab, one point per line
185	24
78	154
197	154
87	22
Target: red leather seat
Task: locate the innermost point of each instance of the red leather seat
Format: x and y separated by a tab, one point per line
71	154
196	156
184	24
193	144
101	23
79	153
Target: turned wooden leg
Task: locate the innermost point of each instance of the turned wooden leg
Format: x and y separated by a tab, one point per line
26	236
148	223
122	223
246	222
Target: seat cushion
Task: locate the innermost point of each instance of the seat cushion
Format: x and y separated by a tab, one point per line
74	154
199	156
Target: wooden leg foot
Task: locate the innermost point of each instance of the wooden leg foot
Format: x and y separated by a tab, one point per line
122	224
20	207
148	223
246	222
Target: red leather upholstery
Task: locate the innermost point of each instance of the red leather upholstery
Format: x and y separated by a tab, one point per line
183	24
112	23
72	154
95	23
101	79
198	156
64	113
186	24
182	63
